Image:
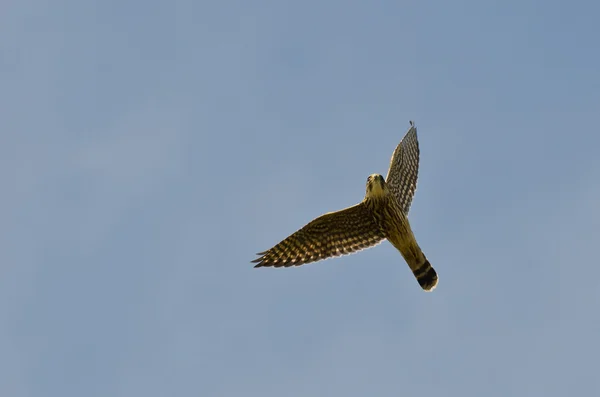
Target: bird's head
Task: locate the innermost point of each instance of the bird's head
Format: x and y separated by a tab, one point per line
376	186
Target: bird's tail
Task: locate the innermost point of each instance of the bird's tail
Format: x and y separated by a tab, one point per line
426	276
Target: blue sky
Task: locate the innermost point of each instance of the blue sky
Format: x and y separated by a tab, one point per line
149	149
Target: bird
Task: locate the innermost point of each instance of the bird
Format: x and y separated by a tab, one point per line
381	215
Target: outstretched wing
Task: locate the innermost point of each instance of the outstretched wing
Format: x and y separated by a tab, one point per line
333	234
404	168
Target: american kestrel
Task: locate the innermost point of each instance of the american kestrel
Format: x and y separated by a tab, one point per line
381	215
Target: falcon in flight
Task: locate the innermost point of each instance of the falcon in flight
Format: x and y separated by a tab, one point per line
381	215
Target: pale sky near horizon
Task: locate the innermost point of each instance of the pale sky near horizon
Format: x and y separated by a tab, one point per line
150	149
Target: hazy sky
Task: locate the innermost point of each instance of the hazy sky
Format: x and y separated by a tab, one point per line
150	148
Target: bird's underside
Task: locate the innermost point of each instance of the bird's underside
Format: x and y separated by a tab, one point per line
381	215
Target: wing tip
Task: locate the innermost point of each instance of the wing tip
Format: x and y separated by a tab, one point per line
413	126
259	261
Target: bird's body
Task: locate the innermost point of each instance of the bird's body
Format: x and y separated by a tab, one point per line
381	215
394	224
